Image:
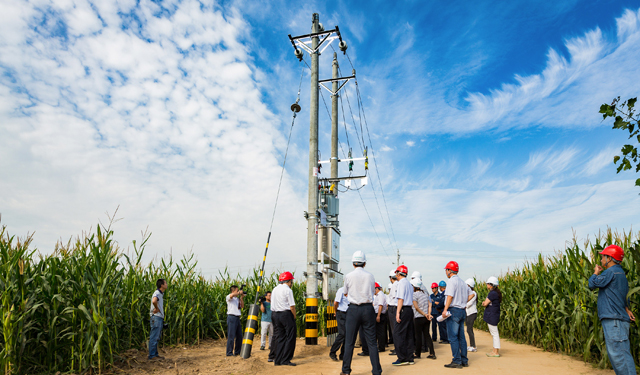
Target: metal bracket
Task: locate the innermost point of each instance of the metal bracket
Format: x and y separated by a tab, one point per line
333	80
325	35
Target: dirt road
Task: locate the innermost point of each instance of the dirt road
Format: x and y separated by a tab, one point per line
209	358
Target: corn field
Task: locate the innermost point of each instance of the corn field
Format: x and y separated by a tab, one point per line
547	303
78	308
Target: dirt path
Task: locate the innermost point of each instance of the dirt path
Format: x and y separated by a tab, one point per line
209	358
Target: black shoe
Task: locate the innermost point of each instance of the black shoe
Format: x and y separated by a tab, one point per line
465	365
363	354
393	352
417	356
289	364
269	360
453	365
431	356
333	357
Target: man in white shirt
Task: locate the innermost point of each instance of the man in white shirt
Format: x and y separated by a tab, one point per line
283	318
457	295
157	318
380	307
341	305
392	306
403	332
359	286
235	303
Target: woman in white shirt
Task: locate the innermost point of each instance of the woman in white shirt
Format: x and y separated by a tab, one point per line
472	314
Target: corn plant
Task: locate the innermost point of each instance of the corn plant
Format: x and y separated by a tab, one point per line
547	303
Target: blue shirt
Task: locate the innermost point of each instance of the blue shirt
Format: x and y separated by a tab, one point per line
405	292
266	315
436	310
343	302
612	296
492	311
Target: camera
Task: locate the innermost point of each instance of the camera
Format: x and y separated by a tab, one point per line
242	289
263	299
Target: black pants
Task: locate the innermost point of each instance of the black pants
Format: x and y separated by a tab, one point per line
403	335
469	322
284	330
381	333
422	330
391	317
234	334
434	328
363	342
341	317
357	316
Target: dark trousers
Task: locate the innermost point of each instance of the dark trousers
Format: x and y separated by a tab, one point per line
361	316
422	330
381	332
284	331
391	317
434	329
403	335
234	334
442	327
469	323
341	317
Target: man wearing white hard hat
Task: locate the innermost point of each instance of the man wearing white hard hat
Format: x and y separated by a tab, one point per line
393	306
472	314
359	286
416	275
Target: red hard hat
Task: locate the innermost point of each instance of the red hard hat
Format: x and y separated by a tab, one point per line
378	286
403	270
434	285
613	251
453	266
285	276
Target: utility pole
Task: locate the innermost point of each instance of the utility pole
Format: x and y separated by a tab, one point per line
334	122
312	219
398	258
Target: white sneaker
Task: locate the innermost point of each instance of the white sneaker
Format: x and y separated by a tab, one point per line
472	349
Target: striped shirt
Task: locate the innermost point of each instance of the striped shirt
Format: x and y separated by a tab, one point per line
424	301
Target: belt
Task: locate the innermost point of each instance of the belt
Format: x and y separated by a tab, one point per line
361	304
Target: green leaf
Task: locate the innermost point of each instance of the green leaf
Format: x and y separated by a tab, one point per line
631	102
638	182
619	123
626	149
615	159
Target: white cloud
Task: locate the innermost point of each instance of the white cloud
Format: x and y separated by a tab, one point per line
601	160
165	121
411	143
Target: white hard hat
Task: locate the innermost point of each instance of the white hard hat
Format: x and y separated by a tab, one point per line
416	283
492	280
471	282
416	274
392	273
389	286
358	257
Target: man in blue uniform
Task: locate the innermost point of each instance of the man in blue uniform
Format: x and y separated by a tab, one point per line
438	301
613	309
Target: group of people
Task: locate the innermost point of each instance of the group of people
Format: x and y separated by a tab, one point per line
362	308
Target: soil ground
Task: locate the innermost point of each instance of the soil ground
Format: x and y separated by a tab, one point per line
209	358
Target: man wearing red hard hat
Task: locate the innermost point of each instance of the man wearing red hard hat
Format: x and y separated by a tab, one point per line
403	332
455	313
283	318
613	308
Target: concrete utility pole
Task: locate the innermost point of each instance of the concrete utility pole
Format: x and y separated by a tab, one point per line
312	220
334	123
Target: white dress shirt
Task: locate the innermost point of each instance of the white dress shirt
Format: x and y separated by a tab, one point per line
457	289
393	301
404	291
343	303
471	305
380	299
233	305
282	298
359	286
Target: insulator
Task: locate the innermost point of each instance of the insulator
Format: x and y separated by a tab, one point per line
343	46
320	27
295	107
299	54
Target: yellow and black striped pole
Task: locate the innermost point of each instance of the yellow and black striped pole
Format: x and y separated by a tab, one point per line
254	310
311	321
332	323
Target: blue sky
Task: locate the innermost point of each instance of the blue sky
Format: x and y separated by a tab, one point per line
483	119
